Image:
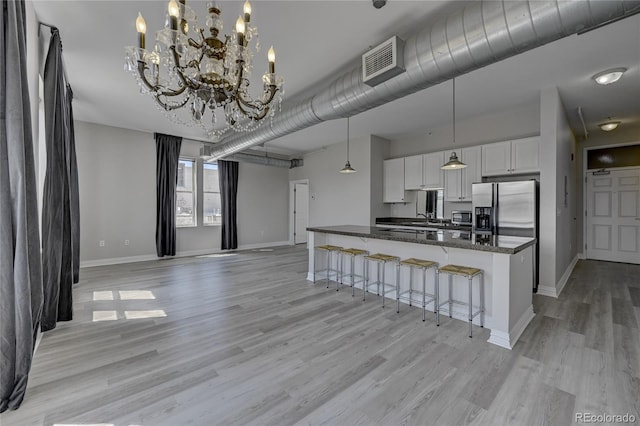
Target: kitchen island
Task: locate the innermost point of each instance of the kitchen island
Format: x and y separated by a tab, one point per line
507	263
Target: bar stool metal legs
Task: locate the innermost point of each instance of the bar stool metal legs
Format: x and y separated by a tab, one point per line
329	249
381	261
468	273
353	253
424	266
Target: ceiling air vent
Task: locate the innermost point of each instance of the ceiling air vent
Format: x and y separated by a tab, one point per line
383	62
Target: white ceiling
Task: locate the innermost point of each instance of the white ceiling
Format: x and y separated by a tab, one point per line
314	40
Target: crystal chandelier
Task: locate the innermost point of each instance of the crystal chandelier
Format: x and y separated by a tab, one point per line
198	79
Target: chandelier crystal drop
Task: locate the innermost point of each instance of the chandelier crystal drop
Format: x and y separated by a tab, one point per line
198	79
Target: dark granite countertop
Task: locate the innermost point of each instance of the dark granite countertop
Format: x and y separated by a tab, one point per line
443	237
420	222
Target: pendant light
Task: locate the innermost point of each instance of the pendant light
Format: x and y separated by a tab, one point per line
347	167
454	163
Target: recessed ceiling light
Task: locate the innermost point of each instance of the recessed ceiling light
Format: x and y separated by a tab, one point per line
609	126
609	76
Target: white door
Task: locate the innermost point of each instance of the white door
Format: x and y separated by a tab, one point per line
613	216
300	212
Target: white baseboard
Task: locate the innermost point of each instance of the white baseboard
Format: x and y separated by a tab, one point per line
565	277
310	276
582	256
508	340
545	290
187	253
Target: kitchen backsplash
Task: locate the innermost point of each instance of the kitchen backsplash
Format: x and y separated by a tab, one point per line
409	209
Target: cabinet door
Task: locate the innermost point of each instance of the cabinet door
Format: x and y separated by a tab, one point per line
472	173
525	155
432	174
393	183
496	159
453	180
413	172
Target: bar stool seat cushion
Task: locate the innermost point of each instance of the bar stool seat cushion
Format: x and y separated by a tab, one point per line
354	251
380	257
465	271
421	263
329	247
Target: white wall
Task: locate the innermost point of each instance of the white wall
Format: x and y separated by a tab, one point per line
116	173
558	246
515	123
344	199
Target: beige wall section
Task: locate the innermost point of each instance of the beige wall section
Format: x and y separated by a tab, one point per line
558	245
117	169
518	122
344	199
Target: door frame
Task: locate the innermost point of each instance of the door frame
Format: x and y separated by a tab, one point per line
292	223
582	253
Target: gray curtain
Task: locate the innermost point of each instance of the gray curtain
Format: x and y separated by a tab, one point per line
20	269
228	172
167	156
74	190
60	215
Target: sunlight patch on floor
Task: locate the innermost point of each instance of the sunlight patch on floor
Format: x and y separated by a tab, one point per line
104	316
102	295
157	313
136	295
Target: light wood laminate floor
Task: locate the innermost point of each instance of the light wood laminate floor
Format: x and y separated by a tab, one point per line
243	338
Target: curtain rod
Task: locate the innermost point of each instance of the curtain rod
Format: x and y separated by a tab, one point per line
64	64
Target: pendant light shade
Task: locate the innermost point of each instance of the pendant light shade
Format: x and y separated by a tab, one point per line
347	167
454	163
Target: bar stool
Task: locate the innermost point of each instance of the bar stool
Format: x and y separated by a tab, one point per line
329	249
352	253
424	266
381	261
469	273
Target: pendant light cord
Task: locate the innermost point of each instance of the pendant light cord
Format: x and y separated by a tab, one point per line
454	110
347	139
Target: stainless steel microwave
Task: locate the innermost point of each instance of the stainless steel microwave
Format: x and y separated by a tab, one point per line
461	217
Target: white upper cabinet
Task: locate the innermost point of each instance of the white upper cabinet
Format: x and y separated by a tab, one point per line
457	183
432	174
393	181
511	157
413	172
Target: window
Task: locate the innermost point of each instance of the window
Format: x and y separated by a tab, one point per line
185	193
211	212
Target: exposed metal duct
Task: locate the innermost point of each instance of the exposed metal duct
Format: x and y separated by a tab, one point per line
265	161
478	34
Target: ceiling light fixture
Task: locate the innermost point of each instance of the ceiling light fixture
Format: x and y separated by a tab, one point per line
609	76
454	163
188	72
609	125
347	167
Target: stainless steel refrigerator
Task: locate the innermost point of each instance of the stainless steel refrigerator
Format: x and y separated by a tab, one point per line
507	208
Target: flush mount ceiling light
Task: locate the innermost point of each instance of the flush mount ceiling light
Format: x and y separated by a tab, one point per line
191	75
609	125
609	76
347	167
454	163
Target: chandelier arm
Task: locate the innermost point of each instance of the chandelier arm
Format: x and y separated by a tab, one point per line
141	67
168	107
179	69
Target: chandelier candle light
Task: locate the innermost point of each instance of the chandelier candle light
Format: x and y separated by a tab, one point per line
187	71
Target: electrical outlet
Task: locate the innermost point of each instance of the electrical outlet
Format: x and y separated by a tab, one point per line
101	243
126	242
